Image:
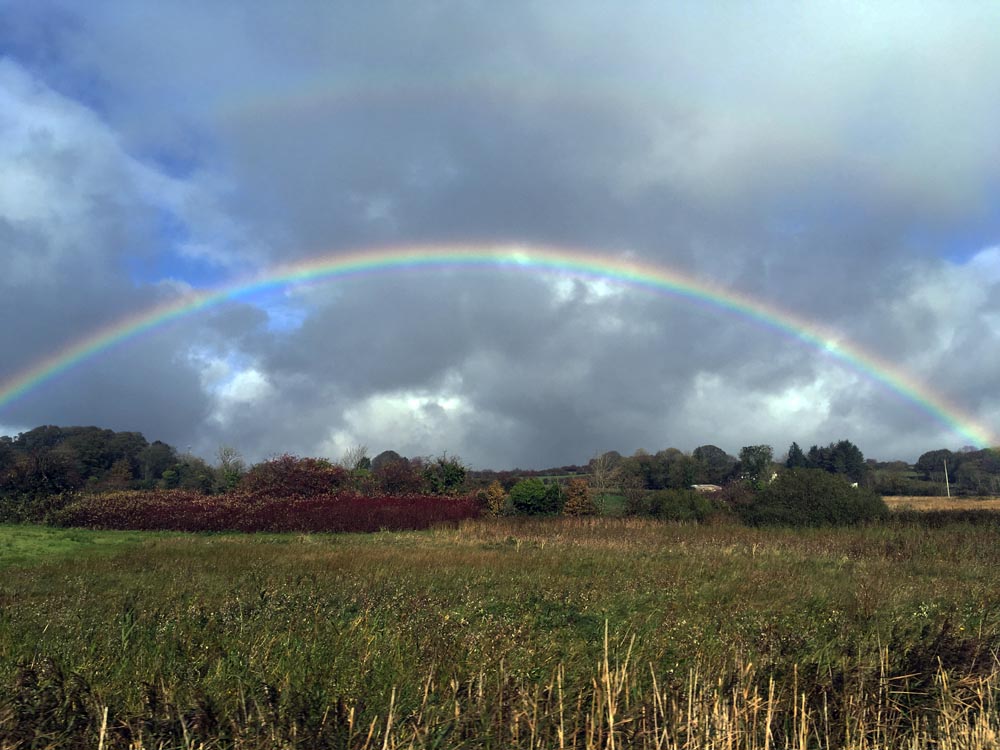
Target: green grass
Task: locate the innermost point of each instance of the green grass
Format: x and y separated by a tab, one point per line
493	635
612	505
21	545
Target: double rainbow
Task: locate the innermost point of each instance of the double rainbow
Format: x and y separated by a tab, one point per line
531	259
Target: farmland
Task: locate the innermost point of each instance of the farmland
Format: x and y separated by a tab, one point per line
504	633
943	503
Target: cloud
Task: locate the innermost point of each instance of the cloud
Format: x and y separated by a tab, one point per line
839	163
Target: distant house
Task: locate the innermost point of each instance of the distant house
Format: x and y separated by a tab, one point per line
705	488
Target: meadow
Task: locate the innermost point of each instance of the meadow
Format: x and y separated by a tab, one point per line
587	633
932	502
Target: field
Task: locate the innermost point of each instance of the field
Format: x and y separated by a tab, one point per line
28	544
605	633
943	503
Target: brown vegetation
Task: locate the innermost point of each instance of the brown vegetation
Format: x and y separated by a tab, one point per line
901	502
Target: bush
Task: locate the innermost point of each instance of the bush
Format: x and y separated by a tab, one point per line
444	475
142	510
579	499
812	497
180	510
292	477
495	499
396	476
894	483
679	505
32	508
532	497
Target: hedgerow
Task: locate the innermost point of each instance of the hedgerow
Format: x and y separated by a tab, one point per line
179	510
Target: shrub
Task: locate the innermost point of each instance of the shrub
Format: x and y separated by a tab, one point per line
348	512
292	477
444	475
894	483
396	476
179	510
578	499
532	497
734	496
141	510
679	505
32	508
495	498
812	497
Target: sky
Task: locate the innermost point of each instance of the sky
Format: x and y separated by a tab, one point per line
836	162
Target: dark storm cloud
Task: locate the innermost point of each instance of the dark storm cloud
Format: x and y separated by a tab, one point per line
798	156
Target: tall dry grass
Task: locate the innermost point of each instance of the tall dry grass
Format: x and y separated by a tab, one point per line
621	705
900	502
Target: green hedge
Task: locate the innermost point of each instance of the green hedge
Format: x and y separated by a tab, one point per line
812	497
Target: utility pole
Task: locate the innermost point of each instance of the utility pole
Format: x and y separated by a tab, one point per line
947	484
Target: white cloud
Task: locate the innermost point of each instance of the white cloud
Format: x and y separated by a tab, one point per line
943	304
723	410
235	391
414	423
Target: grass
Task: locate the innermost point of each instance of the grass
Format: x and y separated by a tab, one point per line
942	503
611	505
20	545
513	633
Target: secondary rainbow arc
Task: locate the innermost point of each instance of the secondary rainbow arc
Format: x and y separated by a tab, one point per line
532	259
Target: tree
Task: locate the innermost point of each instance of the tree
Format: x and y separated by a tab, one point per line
41	470
533	497
578	501
154	460
127	445
604	476
932	464
755	464
647	471
397	477
975	472
48	436
796	458
714	464
231	467
682	472
7	454
194	473
667	467
37	482
356	458
843	457
119	477
635	494
444	475
383	459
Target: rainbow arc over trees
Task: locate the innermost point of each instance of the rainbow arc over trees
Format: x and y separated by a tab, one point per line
525	258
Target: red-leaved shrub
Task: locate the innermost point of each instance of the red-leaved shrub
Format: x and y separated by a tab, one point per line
352	512
181	510
178	510
291	476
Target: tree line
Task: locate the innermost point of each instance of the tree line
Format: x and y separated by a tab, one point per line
50	462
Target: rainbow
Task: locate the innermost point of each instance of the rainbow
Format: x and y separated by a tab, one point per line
533	259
